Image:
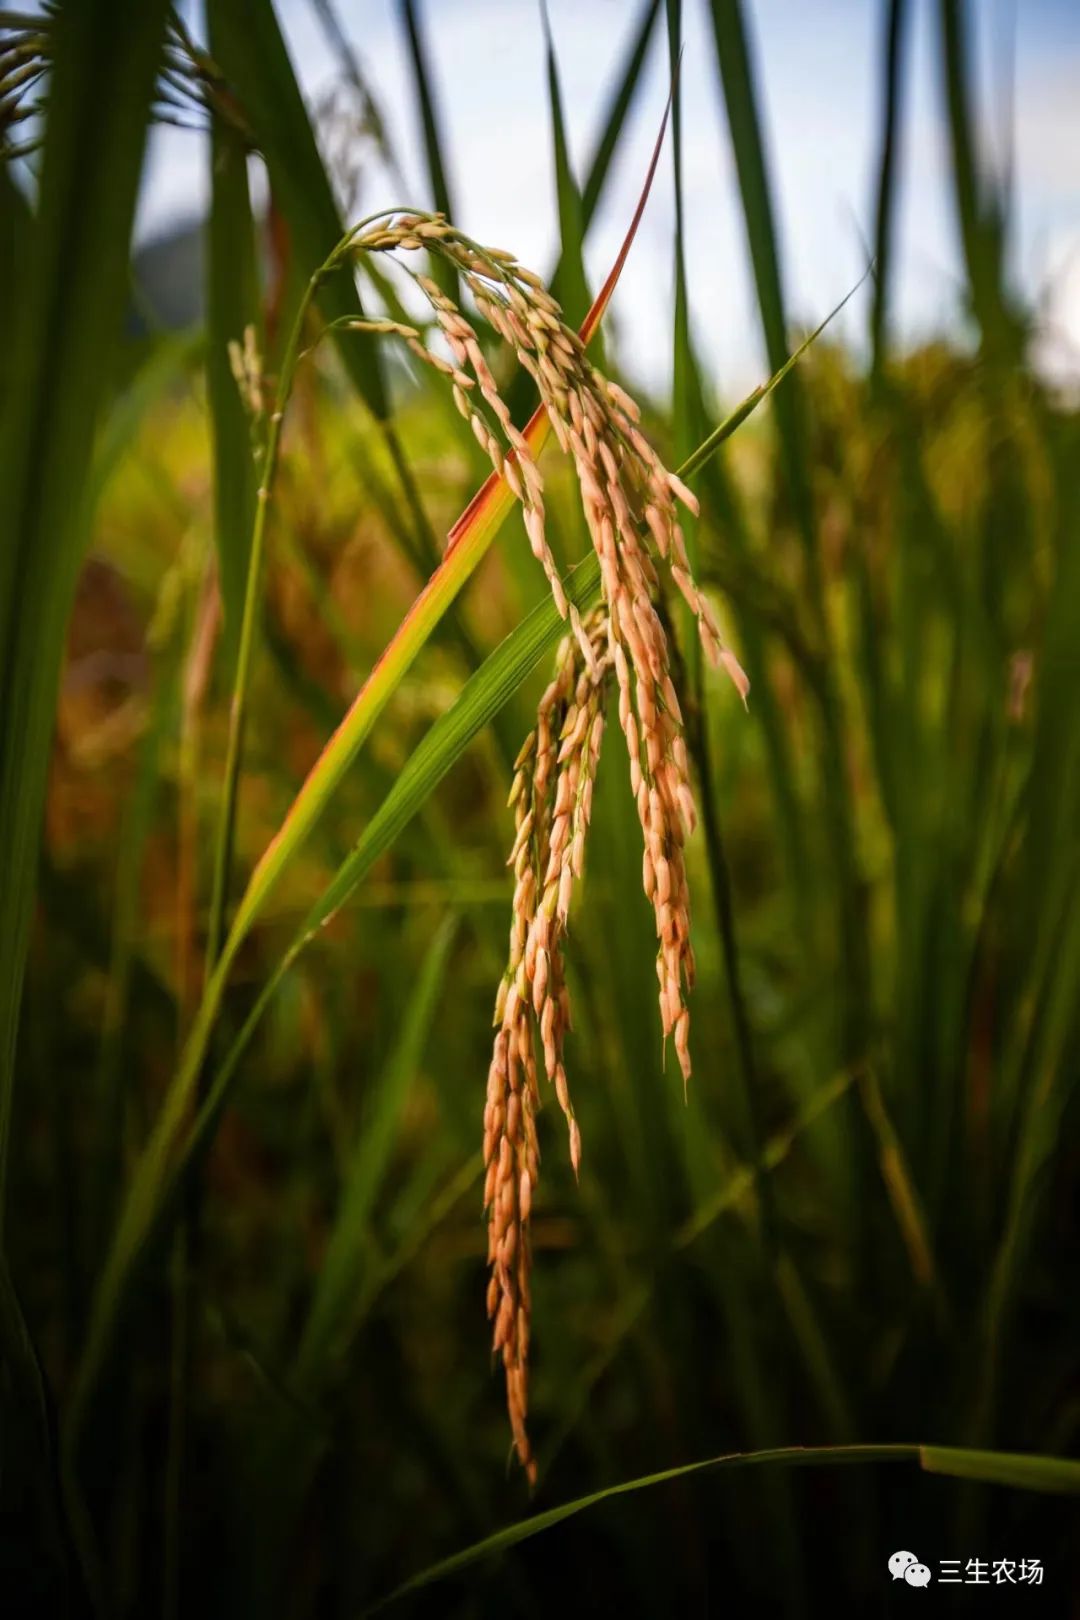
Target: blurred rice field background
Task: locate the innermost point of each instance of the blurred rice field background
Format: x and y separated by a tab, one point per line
245	1364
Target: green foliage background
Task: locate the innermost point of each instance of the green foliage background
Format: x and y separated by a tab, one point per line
859	1231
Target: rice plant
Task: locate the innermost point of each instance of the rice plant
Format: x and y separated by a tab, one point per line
310	614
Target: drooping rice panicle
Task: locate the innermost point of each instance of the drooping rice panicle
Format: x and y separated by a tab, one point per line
551	797
631	505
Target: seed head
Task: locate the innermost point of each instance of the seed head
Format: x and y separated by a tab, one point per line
631	505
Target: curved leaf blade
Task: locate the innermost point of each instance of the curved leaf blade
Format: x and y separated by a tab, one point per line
997	1468
251	52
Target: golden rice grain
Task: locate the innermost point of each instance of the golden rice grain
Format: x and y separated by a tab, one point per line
631	504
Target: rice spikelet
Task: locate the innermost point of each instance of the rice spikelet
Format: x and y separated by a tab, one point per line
631	504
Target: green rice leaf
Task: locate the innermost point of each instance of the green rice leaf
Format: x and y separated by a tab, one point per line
687	428
893	78
443	272
522	389
251	53
569	285
347	1253
62	347
62	353
1059	1475
748	146
999	1468
980	211
617	112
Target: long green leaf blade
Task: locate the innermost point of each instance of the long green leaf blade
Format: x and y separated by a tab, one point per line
893	79
342	1272
569	286
1020	1471
617	112
1000	1468
251	52
74	288
748	144
443	273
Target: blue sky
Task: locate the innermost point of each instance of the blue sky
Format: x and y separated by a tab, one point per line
818	66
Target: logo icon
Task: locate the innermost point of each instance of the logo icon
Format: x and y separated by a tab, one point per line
904	1566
